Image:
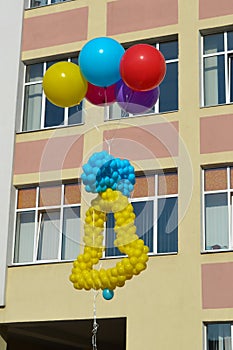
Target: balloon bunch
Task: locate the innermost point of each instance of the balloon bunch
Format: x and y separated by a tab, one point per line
110	200
107	74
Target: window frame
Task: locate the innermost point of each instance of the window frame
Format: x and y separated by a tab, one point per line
109	109
205	330
49	2
155	198
227	54
229	193
43	99
60	208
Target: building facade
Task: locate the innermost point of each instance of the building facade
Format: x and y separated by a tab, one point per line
182	151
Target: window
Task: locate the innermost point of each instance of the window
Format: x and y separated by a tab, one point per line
38	112
155	202
37	3
47	223
217	208
167	102
217	65
218	336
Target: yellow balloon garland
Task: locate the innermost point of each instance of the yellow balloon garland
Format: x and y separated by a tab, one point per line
83	275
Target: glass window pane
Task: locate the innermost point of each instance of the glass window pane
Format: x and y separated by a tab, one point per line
214	80
32	107
24	241
230	40
144	221
56	1
213	43
75	114
219	336
169	101
54	115
71	233
167	225
169	50
50	63
110	237
115	112
36	3
34	72
216	221
231	79
74	60
49	234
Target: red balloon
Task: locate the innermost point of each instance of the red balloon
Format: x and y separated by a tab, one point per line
142	67
101	96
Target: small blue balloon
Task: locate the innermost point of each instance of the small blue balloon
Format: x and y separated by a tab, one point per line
87	169
99	61
108	294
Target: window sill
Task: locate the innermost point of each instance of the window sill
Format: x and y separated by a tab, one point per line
131	116
213	251
218	105
50	128
149	255
39	262
44	262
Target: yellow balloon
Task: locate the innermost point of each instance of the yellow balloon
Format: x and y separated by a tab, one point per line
64	84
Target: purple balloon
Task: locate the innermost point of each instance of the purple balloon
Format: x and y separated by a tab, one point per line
135	102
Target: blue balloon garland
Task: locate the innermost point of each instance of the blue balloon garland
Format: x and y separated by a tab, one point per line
104	171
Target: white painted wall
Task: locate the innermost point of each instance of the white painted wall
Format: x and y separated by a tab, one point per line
11	15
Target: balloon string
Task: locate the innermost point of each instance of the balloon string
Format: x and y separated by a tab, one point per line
128	98
95	324
105	96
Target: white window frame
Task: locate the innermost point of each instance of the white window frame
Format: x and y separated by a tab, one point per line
155	200
229	192
43	102
37	233
205	332
108	111
227	56
49	2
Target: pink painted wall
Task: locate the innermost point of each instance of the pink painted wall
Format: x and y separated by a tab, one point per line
131	15
144	142
215	8
216	134
50	154
217	285
55	29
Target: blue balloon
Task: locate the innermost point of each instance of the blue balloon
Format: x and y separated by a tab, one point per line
108	294
99	61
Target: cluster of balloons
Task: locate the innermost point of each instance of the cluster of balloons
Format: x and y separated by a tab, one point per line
107	73
103	171
111	200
